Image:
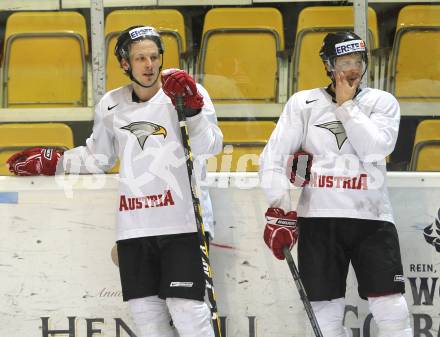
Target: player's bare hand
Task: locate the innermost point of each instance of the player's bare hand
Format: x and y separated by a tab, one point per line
345	87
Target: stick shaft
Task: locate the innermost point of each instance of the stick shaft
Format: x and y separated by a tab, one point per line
302	292
198	214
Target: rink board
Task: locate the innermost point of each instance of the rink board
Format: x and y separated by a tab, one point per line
57	275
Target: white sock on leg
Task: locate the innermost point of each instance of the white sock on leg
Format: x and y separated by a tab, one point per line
151	317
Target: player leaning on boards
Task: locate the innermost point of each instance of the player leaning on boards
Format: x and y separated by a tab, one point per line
344	211
159	255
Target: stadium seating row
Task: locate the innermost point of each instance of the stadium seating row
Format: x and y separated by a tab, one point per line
243	142
241	59
46	64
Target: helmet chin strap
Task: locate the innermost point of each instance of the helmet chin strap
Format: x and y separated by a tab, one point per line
142	85
130	73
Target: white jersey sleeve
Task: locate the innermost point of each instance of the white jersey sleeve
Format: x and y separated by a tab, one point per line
205	136
98	155
284	141
373	137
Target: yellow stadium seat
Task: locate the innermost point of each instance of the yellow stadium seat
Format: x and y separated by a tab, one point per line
169	23
243	142
16	137
239	58
414	62
314	23
426	151
44	63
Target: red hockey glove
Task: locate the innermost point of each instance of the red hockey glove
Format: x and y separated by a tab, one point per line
301	167
280	231
177	82
34	161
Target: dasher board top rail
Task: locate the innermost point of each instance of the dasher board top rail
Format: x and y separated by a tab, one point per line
220	180
270	110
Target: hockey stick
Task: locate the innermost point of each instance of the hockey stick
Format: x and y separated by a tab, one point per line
302	292
197	211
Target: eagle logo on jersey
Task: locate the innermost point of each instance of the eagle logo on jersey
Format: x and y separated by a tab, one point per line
337	129
143	130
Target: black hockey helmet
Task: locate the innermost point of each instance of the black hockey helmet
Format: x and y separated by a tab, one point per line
342	43
339	44
132	34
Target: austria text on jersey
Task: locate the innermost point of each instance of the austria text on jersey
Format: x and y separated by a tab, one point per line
329	181
155	200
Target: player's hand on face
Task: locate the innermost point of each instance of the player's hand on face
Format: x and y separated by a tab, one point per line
345	88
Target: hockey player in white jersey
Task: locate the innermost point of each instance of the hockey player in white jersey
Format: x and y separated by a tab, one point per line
159	256
344	212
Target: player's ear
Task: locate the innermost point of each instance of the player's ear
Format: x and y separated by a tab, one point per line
124	64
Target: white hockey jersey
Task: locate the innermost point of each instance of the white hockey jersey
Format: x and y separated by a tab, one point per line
349	144
154	191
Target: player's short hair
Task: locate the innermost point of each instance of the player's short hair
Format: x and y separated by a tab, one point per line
133	34
342	43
